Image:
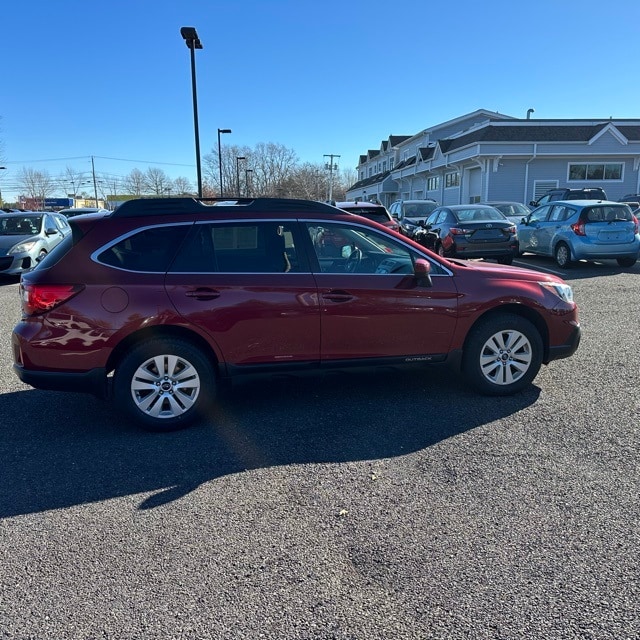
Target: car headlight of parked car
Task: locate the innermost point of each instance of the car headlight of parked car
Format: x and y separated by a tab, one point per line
22	247
562	290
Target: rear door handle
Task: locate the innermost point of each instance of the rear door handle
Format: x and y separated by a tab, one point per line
203	294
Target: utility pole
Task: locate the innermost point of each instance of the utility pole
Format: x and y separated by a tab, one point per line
331	167
95	186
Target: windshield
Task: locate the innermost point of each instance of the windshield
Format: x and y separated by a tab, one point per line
20	225
469	215
419	209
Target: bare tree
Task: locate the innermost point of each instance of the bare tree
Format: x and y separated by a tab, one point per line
134	183
157	182
37	185
182	186
308	181
70	181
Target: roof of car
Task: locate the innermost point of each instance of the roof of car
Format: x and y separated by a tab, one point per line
584	203
359	204
457	207
217	206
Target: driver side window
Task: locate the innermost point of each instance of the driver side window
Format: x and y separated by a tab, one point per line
341	248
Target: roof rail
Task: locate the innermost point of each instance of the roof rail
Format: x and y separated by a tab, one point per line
192	205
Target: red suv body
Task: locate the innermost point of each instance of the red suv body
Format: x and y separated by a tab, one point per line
158	301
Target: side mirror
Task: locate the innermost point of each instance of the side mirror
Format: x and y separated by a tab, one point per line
50	231
422	272
533	203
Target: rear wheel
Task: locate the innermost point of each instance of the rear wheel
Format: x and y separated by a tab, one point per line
502	355
505	259
440	251
164	384
563	255
626	262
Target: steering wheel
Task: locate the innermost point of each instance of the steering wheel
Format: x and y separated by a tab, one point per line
354	260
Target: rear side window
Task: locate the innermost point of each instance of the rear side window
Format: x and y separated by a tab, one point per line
244	247
610	213
149	250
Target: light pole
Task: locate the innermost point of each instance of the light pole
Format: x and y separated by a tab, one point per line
1	202
220	158
238	158
193	42
246	181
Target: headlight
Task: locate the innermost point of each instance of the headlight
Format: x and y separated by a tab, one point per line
23	247
562	290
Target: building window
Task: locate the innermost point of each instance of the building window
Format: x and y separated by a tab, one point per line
452	179
433	184
595	171
391	161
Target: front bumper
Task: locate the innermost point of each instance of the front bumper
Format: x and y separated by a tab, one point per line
568	348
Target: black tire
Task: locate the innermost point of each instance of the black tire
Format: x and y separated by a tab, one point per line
440	251
505	259
502	354
169	399
562	254
626	262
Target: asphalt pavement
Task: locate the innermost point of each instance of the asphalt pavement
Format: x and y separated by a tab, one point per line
385	504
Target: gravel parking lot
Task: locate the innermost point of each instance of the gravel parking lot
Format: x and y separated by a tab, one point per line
383	504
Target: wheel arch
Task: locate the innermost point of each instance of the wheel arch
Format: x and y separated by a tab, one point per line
562	240
523	311
159	332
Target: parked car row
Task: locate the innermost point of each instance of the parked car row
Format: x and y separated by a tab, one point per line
586	228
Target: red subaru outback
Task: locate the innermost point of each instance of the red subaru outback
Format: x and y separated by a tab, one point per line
158	301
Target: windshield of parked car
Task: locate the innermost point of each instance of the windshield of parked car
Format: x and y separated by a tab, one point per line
512	209
473	215
419	209
20	225
371	213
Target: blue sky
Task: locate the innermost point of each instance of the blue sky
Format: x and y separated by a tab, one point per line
112	79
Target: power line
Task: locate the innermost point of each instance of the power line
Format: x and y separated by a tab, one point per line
171	164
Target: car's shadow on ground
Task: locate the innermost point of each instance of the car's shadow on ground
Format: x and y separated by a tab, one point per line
59	450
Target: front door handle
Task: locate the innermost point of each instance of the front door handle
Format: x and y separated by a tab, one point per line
337	296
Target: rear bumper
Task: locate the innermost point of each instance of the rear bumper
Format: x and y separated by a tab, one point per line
94	381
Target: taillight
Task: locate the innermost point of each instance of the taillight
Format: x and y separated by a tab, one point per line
635	225
40	298
578	228
458	231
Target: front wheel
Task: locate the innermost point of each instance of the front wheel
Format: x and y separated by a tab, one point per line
626	262
164	384
502	355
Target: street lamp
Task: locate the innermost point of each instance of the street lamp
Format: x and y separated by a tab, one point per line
238	158
193	43
220	158
246	181
1	203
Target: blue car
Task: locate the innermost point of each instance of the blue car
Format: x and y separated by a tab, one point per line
571	230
